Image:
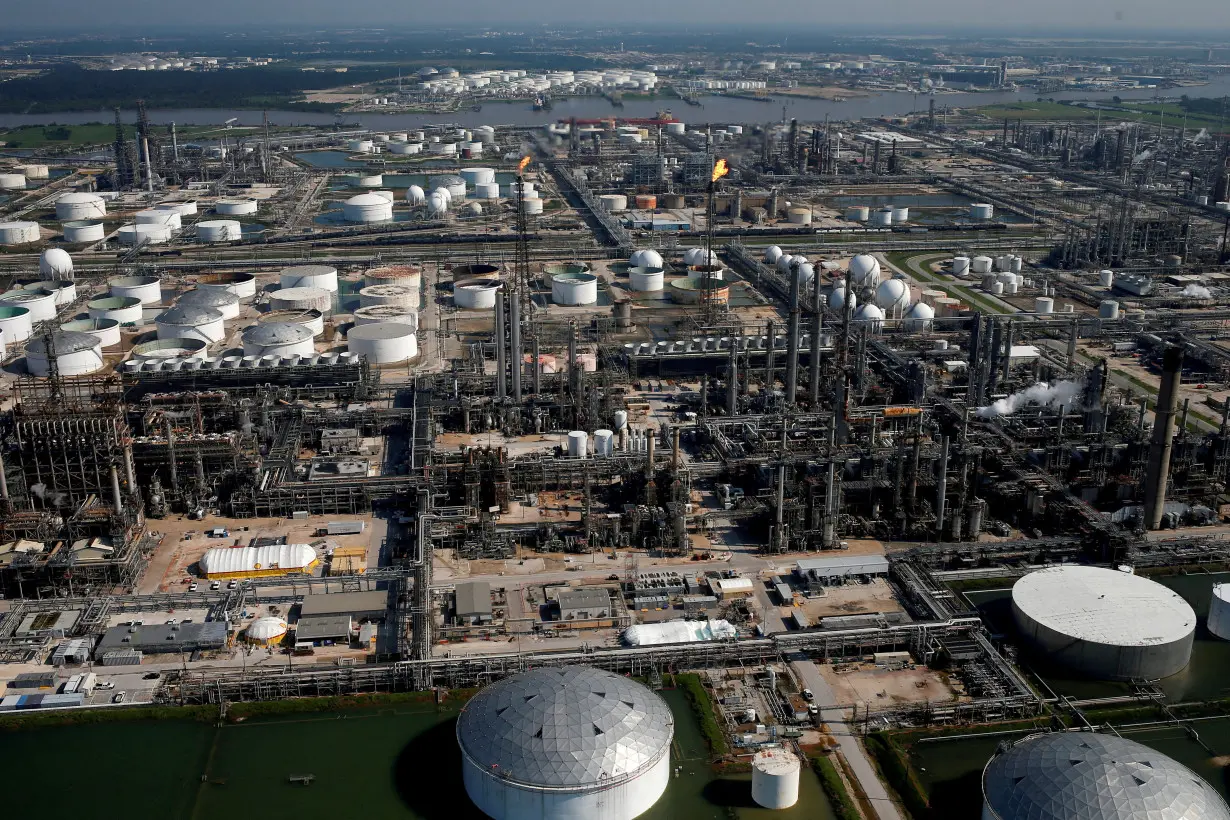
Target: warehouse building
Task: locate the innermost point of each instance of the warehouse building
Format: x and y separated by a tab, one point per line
725	588
361	606
324	628
473	602
584	604
258	562
209	636
840	570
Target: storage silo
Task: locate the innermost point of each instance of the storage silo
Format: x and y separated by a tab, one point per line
775	778
222	301
124	309
55	263
80	205
565	742
146	288
574	289
475	294
76	354
578	444
12	182
143	232
309	276
15	322
84	230
235	207
301	299
18	233
646	278
1104	624
188	322
1219	611
278	339
219	230
107	330
383	342
960	265
604	442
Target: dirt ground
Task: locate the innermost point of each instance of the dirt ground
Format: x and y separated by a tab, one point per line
867	686
851	599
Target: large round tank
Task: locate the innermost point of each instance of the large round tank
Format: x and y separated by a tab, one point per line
865	271
699	256
919	318
775	778
487	190
146	288
159	216
476	270
646	259
772	254
80	205
475	294
533	205
278	339
366	208
85	230
900	214
313	320
1108	309
837	297
222	301
405	147
1044	305
35	171
12	182
309	276
408	275
1106	278
243	285
892	295
455	185
188	322
41	303
15	322
799	216
106	330
266	631
219	230
301	299
981	264
689	290
64	291
565	742
604	442
178	348
18	233
645	278
372	314
383	342
858	213
882	217
613	203
361	146
872	315
415	195
1104	624
55	263
1093	776
366	180
1219	611
235	207
124	309
75	354
182	208
981	211
574	289
960	265
143	232
400	295
478	176
578	444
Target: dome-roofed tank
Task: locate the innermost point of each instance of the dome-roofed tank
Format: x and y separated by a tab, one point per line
266	630
80	205
1093	776
222	301
892	295
563	742
919	318
645	259
191	322
364	208
865	270
837	297
772	254
75	353
699	256
55	263
278	338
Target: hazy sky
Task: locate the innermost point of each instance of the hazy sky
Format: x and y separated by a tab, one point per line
1212	17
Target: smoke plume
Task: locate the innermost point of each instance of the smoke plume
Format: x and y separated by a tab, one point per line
1197	292
1059	394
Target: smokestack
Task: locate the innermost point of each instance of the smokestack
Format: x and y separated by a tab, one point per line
514	329
537	369
830	506
573	379
675	450
650	437
4	481
174	143
500	365
732	379
1158	472
149	165
117	500
792	341
941	488
817	327
778	539
769	357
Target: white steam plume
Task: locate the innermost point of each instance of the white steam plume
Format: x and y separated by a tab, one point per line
1059	394
1197	292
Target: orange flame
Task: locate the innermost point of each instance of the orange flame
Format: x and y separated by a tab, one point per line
521	165
720	170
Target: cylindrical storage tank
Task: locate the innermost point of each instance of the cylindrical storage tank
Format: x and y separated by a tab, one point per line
400	295
278	338
478	176
621	419
858	213
405	147
367	180
158	216
960	265
1108	309
146	288
997	288
162	349
799	216
455	185
1011	288
1104	624
981	264
301	299
313	320
37	171
988	281
533	205
266	631
40	303
604	442
383	342
219	230
527	189
574	289
75	354
235	207
690	289
646	202
775	778
80	205
645	279
613	202
676	128
1044	305
145	232
565	742
1106	278
900	214
222	301
18	233
578	444
107	330
398	314
981	211
309	276
124	309
188	322
65	292
1017	264
84	231
243	285
361	146
487	190
882	218
181	208
475	294
366	208
12	182
1219	611
15	323
407	275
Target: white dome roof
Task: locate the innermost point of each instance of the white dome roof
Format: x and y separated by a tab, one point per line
267	628
415	195
443	192
772	254
806	273
864	270
224	560
837	298
920	311
645	259
784	262
367	199
80	197
868	313
55	262
893	294
699	256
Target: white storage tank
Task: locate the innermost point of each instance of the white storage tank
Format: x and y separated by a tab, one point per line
40	303
144	232
12	182
574	289
865	271
313	320
84	230
243	285
775	778
219	230
1044	305
882	218
981	264
405	147
383	342
478	176
65	291
301	299
900	214
621	419
161	349
533	205
919	318
1108	309
124	309
604	442
235	207
646	279
455	185
361	146
772	254
1106	278
487	190
80	205
158	216
18	233
309	276
278	338
415	195
578	444
222	301
55	263
16	324
146	288
408	275
107	330
872	315
649	259
182	208
366	208
960	265
37	171
892	295
188	322
613	203
400	295
799	216
981	211
367	180
475	294
373	314
76	354
1219	611
858	213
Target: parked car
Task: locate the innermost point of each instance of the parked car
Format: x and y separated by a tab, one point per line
807	695
194	586
152	675
215	586
119	697
107	684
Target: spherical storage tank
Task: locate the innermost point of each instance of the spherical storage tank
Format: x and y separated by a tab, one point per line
699	256
18	233
645	259
75	354
775	778
107	330
872	315
1104	624
266	631
15	322
309	276
415	195
892	295
219	230
567	742
574	289
475	294
1093	776
919	318
84	230
772	254
55	263
124	309
301	299
455	185
1219	611
865	271
188	322
383	342
80	205
146	288
278	339
222	301
367	208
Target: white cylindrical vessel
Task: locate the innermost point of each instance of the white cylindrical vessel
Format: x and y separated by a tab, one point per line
64	291
858	213
76	354
301	299
235	207
107	330
400	295
646	279
158	216
1106	278
574	289
882	218
367	180
219	230
475	294
361	146
613	202
124	309
533	205
604	442
18	233
243	285
997	288
145	232
408	275
621	419
487	190
1219	611
900	214
799	216
80	205
775	778
281	339
162	349
1044	305
16	324
1108	309
981	264
455	185
182	208
366	208
960	265
222	301
478	176
84	231
578	444
40	303
864	270
383	342
36	171
373	314
309	276
146	288
12	182
190	322
981	211
405	147
313	320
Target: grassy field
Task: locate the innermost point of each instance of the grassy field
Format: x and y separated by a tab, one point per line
1145	112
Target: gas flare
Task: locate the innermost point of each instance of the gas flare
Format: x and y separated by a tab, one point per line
521	165
720	170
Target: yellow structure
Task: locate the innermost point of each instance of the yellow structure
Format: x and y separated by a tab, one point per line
266	631
348	561
258	562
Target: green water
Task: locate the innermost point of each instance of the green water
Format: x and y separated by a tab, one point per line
398	762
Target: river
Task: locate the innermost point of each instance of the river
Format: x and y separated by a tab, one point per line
715	110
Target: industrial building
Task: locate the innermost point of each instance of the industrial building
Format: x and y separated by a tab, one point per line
584	604
472	602
362	606
258	562
156	639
